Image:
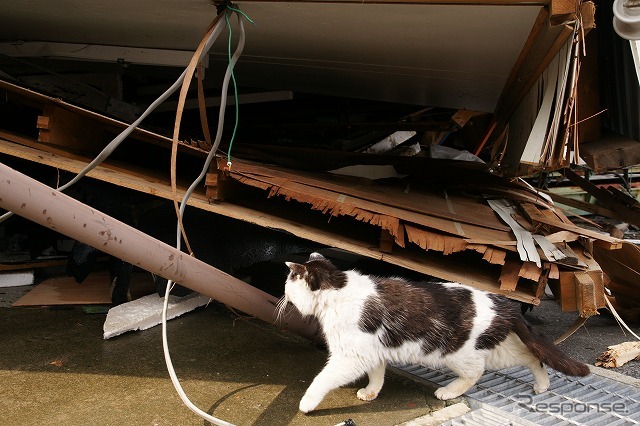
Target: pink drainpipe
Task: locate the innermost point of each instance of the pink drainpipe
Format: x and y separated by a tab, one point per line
41	204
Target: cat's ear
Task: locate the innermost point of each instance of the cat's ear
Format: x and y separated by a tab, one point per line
295	266
316	256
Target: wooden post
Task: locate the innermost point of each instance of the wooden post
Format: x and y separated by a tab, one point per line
585	295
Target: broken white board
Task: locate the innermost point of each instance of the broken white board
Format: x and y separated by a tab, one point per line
390	142
17	278
146	312
525	245
553	253
534	146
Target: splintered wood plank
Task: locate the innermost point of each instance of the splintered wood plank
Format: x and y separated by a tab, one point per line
543	280
495	256
530	271
386	241
442	205
618	355
551	252
526	247
428	240
509	275
554	272
364	209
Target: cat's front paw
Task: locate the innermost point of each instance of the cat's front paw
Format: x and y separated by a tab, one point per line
443	393
308	403
366	395
538	389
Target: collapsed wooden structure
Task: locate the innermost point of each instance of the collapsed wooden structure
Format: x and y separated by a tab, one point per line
462	221
466	225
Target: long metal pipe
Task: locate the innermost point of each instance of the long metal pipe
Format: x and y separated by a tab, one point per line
50	208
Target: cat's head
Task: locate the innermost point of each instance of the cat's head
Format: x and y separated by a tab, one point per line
307	280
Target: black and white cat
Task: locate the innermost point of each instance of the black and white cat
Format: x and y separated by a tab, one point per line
368	321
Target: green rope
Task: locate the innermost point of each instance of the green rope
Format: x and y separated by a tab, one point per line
235	89
233	77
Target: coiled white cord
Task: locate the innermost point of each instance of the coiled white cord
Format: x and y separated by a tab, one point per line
196	182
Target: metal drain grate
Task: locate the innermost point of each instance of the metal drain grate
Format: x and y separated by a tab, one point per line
506	397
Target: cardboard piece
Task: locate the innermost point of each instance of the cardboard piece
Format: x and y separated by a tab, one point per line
94	290
66	291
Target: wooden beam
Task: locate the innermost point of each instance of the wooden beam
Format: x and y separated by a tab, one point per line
535	215
605	197
576	291
36	100
563	10
611	152
582	205
542	45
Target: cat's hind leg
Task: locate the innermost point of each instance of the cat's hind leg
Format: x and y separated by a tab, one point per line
512	352
376	380
540	376
469	370
337	372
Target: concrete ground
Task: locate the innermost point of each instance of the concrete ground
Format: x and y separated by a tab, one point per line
55	368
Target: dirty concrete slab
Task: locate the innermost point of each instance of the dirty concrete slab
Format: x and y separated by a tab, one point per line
56	369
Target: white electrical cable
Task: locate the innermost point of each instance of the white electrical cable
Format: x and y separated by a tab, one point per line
196	182
108	150
619	318
172	373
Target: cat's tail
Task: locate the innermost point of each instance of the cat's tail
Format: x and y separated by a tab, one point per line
547	352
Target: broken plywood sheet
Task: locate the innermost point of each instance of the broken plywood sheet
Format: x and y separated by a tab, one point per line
428	240
409	197
377	204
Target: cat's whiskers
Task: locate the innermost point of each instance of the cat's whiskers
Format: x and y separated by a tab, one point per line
281	308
